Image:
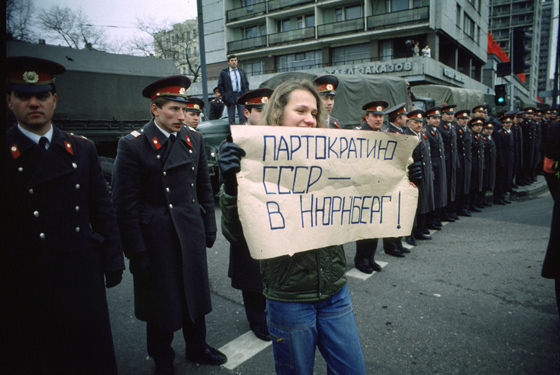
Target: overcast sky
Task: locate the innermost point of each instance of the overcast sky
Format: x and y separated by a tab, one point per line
118	17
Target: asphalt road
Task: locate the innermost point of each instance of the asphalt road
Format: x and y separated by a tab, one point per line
471	301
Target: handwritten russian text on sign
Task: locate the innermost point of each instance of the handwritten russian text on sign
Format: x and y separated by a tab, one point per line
303	189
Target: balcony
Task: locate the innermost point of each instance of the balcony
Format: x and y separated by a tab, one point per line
340	27
246	12
416	15
281	4
292	36
247	44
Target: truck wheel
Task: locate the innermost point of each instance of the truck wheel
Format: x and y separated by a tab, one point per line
107	168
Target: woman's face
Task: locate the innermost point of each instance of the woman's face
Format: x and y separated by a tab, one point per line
301	110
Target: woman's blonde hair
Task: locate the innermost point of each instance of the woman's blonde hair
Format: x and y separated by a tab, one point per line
274	111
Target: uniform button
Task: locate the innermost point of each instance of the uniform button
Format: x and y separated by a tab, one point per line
42	236
31	191
193	168
170	206
77	208
158	157
77	229
193	200
190	151
167	190
164	173
74	165
20	169
77	186
36	213
192	185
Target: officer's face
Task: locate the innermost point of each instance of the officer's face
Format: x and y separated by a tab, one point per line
432	121
488	131
34	112
463	121
528	116
328	102
507	125
374	121
447	117
301	110
218	94
477	128
254	116
192	119
170	116
415	125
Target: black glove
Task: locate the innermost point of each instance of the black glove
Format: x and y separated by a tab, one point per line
141	264
210	239
113	278
415	172
229	161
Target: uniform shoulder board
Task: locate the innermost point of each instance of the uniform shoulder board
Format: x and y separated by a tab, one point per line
193	130
76	136
135	134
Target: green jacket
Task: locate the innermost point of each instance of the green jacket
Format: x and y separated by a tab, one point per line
312	275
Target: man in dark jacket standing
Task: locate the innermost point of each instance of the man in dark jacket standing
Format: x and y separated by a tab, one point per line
216	105
433	117
446	128
464	165
61	237
165	209
233	83
504	159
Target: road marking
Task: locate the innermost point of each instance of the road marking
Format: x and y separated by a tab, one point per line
242	348
354	272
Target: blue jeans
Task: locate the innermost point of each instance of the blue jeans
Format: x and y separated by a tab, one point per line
297	328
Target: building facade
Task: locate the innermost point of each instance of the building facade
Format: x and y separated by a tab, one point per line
349	36
181	45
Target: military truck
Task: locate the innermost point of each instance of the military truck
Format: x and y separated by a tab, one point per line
100	94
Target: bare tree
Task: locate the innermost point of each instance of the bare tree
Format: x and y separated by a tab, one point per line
19	15
179	44
73	27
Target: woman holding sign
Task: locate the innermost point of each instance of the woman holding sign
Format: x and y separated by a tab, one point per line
308	303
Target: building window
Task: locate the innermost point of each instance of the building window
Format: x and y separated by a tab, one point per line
254	68
468	26
386	50
338	15
350	54
252	31
305	21
283	25
396	5
298	61
347	13
458	19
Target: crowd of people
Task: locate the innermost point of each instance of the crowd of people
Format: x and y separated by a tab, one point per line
67	234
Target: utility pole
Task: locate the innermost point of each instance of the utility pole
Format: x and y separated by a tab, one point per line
202	51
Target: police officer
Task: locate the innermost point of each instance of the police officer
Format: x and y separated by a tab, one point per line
254	102
365	249
326	86
433	116
216	105
464	165
504	159
165	209
422	154
397	122
529	131
489	175
477	171
193	110
59	241
448	133
243	269
518	141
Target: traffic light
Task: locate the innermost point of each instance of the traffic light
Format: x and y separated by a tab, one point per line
519	50
500	98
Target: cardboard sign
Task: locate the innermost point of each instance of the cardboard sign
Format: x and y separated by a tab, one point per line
302	188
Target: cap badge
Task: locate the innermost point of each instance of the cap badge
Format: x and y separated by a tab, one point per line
437	113
31	77
379	108
183	91
264	99
330	87
196	106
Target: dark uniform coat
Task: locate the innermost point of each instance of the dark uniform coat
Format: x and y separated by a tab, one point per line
216	109
489	176
518	148
422	154
60	237
438	166
464	164
477	173
166	209
528	131
504	159
449	137
551	265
